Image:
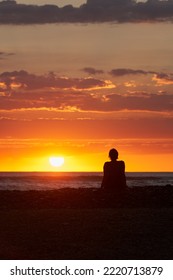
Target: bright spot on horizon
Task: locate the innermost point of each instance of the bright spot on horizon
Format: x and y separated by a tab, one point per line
56	161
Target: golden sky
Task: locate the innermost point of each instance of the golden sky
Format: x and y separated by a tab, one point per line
77	89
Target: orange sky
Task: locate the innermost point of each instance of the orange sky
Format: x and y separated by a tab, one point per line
77	90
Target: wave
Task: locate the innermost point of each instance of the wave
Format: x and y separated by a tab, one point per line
49	181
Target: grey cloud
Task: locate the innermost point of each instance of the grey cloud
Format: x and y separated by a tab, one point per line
92	11
164	76
5	54
25	90
92	71
150	102
86	102
125	71
117	102
28	81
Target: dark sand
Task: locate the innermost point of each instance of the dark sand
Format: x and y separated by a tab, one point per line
87	224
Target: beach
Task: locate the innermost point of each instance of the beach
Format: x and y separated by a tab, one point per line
87	224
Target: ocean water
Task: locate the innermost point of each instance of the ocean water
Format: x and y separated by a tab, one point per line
51	180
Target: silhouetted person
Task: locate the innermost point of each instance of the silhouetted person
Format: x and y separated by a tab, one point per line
114	173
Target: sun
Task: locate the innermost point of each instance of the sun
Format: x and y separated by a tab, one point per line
56	161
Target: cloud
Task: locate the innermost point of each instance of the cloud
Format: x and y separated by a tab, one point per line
5	55
20	89
145	102
92	71
92	11
130	84
26	81
163	79
114	102
23	90
125	71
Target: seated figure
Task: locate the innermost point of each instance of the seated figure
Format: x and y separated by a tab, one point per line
114	173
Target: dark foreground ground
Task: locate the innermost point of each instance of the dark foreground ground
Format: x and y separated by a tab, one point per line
87	224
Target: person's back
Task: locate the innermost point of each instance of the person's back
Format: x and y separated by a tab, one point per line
114	173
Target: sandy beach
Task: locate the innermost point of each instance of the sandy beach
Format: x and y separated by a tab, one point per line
87	224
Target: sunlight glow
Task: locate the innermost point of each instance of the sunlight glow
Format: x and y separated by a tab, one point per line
56	161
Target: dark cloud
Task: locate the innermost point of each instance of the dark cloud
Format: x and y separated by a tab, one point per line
5	54
125	71
148	102
26	81
92	71
164	76
92	11
163	79
20	89
139	102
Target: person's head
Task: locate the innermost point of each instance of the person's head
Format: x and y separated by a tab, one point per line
113	154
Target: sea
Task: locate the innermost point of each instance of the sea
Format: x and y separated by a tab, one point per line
25	181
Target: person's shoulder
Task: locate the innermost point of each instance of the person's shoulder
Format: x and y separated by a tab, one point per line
107	163
121	162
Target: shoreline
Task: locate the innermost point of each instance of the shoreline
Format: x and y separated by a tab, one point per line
87	224
147	197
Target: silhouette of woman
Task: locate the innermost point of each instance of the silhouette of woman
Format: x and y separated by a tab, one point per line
114	173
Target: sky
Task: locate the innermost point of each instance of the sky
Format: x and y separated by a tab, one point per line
76	81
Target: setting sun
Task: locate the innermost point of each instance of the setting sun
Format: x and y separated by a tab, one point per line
56	161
